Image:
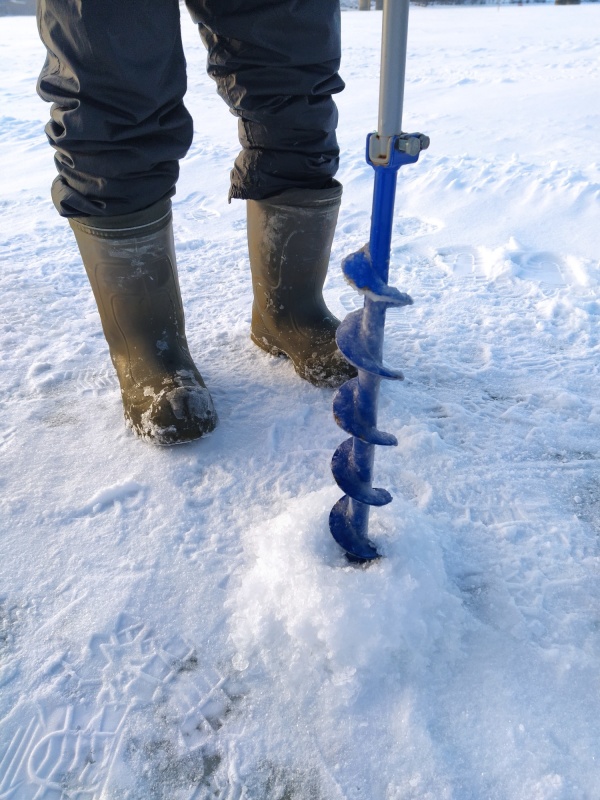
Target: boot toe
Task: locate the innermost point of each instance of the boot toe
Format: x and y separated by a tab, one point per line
174	415
329	370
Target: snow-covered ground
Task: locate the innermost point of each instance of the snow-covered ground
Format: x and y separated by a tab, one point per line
178	624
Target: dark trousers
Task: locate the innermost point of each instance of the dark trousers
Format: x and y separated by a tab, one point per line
115	73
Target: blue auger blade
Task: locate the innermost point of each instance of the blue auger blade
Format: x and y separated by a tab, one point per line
355	347
341	524
350	416
360	335
347	478
358	271
360	339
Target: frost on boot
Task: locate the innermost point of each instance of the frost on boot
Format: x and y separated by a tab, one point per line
130	262
179	412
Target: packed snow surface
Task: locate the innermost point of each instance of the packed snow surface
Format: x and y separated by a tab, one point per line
178	624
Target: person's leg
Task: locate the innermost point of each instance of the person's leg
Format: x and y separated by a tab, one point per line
115	73
276	64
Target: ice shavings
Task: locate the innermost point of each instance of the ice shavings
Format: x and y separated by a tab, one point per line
299	603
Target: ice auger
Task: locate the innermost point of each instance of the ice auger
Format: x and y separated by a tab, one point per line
360	335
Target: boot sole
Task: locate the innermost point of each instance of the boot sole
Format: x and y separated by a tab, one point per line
301	370
269	348
277	352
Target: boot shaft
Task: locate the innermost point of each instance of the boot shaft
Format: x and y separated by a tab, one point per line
289	242
130	263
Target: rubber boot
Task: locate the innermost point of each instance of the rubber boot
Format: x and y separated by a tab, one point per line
289	240
130	263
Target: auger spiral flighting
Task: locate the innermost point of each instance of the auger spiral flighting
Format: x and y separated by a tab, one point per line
360	335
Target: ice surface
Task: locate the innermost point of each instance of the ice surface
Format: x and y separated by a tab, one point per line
177	624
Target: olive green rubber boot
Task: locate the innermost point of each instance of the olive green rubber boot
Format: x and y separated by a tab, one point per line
289	241
130	263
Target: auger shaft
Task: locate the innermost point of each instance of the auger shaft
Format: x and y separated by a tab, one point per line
393	67
360	336
373	326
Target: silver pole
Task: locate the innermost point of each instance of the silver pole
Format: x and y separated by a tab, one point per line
393	67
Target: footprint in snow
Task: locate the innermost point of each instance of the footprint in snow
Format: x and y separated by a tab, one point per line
548	268
47	379
411	227
135	712
6	436
461	261
107	498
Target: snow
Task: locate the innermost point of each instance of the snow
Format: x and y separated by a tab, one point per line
177	623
